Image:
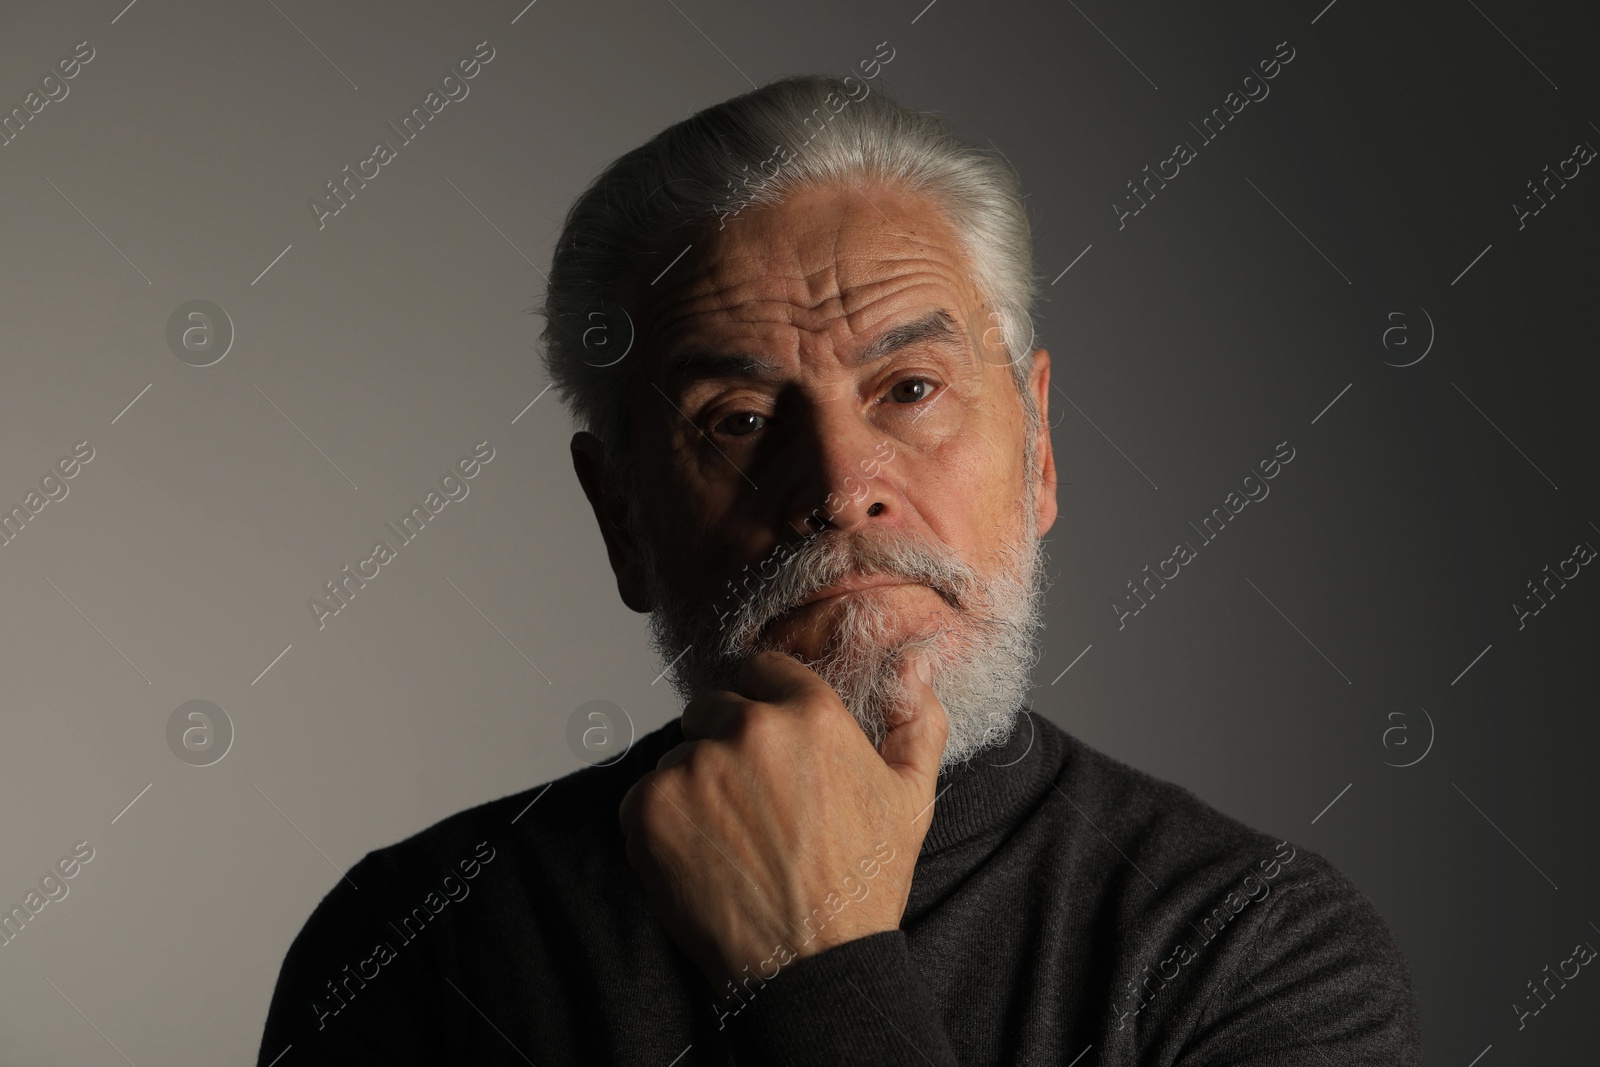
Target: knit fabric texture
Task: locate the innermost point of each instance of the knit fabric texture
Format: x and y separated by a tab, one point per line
1065	909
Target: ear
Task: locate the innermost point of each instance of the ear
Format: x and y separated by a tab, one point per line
610	504
1044	504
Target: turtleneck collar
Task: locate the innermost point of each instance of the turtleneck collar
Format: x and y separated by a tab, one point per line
989	792
995	787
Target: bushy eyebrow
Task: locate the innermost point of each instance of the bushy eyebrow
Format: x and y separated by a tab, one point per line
700	364
936	327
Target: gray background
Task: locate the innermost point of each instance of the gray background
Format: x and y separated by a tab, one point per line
1222	320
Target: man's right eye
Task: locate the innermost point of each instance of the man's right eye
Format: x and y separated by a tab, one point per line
740	423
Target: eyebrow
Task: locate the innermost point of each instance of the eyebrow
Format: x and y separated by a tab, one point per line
936	327
699	364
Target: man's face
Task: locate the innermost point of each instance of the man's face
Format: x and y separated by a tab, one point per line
825	401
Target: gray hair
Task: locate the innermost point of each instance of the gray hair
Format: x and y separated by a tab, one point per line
708	167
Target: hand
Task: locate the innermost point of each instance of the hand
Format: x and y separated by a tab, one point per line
776	808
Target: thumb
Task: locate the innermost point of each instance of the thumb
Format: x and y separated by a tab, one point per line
917	726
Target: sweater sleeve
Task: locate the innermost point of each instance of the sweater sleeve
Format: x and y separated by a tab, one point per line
1323	984
861	1002
351	989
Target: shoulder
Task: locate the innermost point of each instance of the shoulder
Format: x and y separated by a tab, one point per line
1163	834
396	911
570	813
1173	852
573	817
1215	921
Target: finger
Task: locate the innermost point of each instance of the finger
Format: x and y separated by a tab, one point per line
918	731
628	810
776	677
713	714
675	755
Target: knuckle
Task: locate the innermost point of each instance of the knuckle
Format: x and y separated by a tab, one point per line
757	726
815	714
650	805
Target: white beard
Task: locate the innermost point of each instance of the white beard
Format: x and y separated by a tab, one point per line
981	661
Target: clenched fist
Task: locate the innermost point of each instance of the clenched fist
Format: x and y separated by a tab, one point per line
775	808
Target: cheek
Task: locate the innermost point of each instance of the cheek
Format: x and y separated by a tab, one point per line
969	489
703	538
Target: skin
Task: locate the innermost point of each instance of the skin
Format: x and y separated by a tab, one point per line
776	798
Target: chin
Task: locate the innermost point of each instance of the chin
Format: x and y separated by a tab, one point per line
981	640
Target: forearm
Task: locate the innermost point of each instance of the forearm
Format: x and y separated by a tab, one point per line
860	1002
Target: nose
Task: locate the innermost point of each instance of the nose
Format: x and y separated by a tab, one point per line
843	465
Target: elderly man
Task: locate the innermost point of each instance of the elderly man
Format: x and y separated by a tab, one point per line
820	459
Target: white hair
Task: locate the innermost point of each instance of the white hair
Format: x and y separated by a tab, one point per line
706	168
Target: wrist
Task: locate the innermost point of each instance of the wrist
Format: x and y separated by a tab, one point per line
842	929
733	982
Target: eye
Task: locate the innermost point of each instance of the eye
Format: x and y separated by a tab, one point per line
910	390
740	423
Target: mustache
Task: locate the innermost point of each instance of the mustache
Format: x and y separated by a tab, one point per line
830	557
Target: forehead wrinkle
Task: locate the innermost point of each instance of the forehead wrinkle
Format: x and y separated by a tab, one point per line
859	280
830	327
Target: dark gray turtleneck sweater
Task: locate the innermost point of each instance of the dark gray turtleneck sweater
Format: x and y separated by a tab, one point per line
1065	909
